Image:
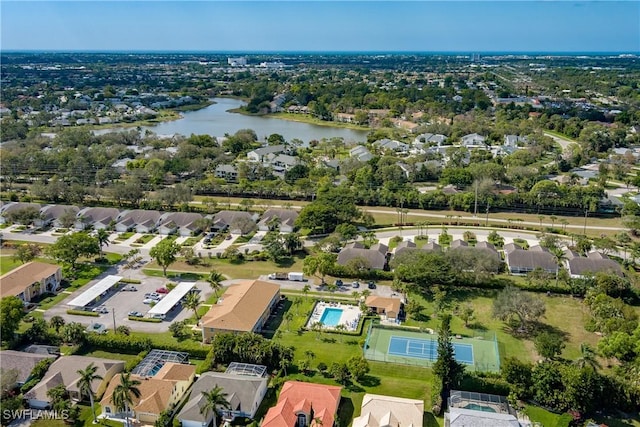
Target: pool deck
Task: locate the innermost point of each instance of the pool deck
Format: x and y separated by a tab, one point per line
350	315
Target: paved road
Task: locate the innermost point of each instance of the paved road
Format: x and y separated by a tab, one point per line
423	214
564	143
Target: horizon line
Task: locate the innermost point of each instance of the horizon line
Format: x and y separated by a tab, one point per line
311	52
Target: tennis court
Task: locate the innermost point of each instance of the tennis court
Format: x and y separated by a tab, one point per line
427	349
417	348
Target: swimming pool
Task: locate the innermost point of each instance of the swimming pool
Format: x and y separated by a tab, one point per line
477	407
331	316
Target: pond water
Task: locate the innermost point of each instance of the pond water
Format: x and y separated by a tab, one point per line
216	120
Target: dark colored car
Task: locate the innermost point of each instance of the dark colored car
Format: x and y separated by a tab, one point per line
371	285
339	282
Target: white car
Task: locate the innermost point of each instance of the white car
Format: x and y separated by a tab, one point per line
149	300
130	288
101	309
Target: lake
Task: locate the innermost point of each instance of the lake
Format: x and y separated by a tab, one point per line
216	120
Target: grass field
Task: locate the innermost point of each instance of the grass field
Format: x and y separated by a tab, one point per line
230	269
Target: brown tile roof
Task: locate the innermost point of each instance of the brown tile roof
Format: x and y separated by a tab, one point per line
390	305
16	281
155	394
241	306
298	396
175	372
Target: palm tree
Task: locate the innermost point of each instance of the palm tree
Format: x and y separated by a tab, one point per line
288	317
340	328
124	393
587	357
103	239
214	400
192	301
292	242
310	355
56	323
306	289
215	281
355	295
84	384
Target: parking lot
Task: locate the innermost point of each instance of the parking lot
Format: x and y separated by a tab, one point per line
120	303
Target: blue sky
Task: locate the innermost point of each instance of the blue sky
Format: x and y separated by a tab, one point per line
464	26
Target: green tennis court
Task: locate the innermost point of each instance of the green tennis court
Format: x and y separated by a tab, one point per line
383	345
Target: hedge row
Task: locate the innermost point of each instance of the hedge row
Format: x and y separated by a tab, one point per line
131	281
83	313
145	319
132	344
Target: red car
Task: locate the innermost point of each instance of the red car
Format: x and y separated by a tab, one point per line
162	290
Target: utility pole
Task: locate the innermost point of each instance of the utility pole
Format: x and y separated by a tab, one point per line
486	221
475	209
113	312
586	213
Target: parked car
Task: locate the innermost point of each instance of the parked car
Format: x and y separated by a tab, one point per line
153	295
371	284
149	300
229	237
355	285
101	309
130	288
162	290
339	282
135	314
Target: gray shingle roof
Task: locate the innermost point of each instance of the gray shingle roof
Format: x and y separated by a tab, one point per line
375	258
530	260
581	265
22	362
241	390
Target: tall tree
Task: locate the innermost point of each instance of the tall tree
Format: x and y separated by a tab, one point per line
103	239
87	376
446	366
70	247
11	313
215	399
192	302
512	302
215	279
57	322
164	253
27	252
319	264
124	393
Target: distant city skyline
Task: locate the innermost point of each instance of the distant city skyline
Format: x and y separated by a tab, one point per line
329	26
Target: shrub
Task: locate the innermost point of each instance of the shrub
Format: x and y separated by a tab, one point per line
83	313
145	319
131	281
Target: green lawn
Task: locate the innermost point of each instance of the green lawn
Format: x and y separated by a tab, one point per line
191	241
126	235
546	418
85	419
7	263
144	239
242	270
